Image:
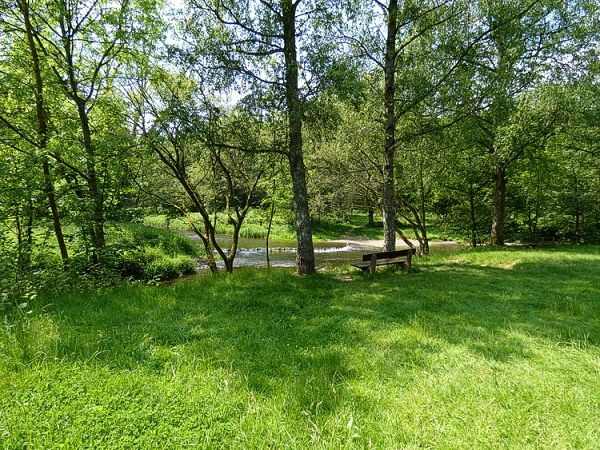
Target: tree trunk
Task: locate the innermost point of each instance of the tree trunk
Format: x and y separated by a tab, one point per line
210	258
578	226
98	239
50	195
529	222
271	214
72	89
371	216
42	126
473	218
577	210
404	237
389	213
497	234
425	245
305	256
19	244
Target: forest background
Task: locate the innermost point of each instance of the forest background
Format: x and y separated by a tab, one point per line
248	118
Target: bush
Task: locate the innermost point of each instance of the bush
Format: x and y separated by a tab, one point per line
152	264
167	268
129	235
145	253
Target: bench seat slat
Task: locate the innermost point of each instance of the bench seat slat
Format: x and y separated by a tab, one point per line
388	255
380	262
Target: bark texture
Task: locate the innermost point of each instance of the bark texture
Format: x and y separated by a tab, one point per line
305	255
42	129
497	233
388	204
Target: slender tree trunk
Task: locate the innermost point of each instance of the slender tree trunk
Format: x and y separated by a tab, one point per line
371	216
98	239
425	245
73	184
473	218
72	89
210	258
305	256
19	244
51	196
404	237
42	125
497	233
577	226
388	204
413	217
235	239
577	211
529	222
271	214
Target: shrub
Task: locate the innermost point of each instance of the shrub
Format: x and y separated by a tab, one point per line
129	235
167	268
152	264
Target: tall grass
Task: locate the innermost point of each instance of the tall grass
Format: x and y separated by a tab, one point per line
476	349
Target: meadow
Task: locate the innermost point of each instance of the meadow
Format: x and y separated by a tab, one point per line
472	348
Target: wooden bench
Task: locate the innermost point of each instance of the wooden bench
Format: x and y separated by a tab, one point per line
544	241
399	257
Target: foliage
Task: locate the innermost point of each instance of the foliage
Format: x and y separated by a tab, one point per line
128	235
145	253
152	264
491	122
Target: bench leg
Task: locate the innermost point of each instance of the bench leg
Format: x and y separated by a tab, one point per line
373	264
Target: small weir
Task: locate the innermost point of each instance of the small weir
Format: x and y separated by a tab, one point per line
252	253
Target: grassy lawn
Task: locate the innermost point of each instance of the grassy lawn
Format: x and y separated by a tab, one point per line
475	349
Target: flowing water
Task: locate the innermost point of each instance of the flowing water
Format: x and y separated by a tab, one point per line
252	253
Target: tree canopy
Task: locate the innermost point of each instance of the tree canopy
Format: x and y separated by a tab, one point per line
480	116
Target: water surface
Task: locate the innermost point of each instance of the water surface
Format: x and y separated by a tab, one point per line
252	253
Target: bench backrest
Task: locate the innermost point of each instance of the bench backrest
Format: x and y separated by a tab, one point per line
389	255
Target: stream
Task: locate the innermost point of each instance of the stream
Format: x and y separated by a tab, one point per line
252	253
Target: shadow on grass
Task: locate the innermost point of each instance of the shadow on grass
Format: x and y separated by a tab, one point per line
312	336
492	310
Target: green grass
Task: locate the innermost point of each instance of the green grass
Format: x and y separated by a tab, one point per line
474	349
255	225
357	226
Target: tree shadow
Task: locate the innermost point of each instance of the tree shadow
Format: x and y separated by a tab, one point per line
312	337
493	311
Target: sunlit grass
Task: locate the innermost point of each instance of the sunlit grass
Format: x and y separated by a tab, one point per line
472	349
255	224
